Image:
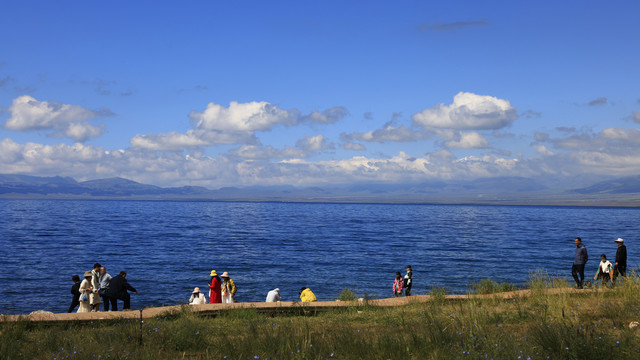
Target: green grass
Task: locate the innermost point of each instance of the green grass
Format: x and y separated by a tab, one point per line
585	325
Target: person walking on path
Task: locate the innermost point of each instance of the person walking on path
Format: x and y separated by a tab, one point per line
215	288
117	290
197	298
306	295
397	284
85	290
605	270
620	267
104	280
273	295
579	262
94	299
75	291
228	288
408	281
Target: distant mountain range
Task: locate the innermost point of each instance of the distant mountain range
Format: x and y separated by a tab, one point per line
503	190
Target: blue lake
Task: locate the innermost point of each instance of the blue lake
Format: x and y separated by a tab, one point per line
168	248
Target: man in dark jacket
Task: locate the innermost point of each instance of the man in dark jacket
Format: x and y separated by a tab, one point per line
579	262
117	290
75	291
621	260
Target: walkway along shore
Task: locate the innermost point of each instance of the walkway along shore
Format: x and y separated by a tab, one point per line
284	306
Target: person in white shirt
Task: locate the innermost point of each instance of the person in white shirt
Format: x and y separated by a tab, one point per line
273	295
605	270
197	298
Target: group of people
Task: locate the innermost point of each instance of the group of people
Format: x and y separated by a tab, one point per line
222	289
98	287
606	271
401	284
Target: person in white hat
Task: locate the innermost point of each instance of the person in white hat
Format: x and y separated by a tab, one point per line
197	297
228	288
620	266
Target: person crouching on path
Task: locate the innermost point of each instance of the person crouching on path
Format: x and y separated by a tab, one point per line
408	281
579	262
273	295
197	298
117	290
85	293
306	295
228	288
620	267
605	270
75	291
397	284
215	288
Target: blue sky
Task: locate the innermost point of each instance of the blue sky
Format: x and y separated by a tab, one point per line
302	93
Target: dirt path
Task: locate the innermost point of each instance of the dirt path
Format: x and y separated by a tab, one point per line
283	306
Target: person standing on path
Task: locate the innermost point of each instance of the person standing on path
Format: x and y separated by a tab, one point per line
105	280
579	262
620	266
228	288
75	291
397	284
117	290
94	298
215	288
408	281
85	293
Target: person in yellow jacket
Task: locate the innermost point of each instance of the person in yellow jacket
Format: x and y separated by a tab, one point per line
228	288
306	295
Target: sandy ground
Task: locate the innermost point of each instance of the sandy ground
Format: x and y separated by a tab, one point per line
283	306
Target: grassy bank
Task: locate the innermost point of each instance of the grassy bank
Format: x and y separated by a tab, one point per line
593	325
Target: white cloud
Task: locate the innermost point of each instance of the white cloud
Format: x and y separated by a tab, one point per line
468	112
328	116
252	116
314	143
268	152
468	140
61	120
636	116
353	146
386	134
194	138
542	149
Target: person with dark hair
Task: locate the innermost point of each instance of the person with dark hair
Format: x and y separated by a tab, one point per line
104	280
75	291
605	270
397	284
215	288
117	290
620	267
306	295
94	297
408	281
579	262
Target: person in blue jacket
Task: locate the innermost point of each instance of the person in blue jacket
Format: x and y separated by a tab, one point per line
579	262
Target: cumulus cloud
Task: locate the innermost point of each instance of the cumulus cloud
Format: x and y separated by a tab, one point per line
59	120
468	112
449	27
386	134
235	124
353	146
542	149
467	140
598	101
314	143
257	152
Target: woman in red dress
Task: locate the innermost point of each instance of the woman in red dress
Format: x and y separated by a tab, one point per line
215	288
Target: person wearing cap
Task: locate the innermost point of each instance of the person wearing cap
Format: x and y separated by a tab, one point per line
620	267
408	281
215	288
579	262
228	288
273	295
85	293
306	295
197	298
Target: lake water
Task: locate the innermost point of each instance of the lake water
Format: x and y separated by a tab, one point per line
168	248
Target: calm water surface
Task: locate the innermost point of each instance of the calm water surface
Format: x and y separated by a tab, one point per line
168	248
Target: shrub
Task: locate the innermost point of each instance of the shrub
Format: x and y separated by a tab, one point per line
347	295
